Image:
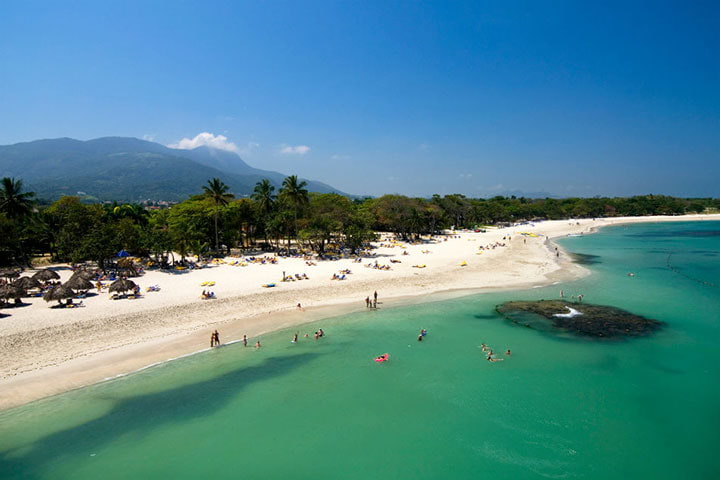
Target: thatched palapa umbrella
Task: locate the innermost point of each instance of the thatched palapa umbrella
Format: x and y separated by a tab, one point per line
76	282
121	285
58	292
45	275
26	283
11	291
84	274
9	273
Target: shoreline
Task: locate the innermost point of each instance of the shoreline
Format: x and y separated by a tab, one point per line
89	347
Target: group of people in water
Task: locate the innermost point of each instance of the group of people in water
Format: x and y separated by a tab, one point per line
490	355
579	297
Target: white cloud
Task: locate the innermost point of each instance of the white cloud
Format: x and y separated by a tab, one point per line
294	150
150	137
206	139
249	148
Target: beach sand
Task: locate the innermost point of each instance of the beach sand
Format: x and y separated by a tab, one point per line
45	351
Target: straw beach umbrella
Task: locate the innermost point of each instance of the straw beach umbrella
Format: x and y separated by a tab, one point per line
58	292
84	274
26	283
121	285
11	291
76	282
9	273
47	274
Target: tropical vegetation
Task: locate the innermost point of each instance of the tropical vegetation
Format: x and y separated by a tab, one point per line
214	222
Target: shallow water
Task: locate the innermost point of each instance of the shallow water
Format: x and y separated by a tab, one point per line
559	407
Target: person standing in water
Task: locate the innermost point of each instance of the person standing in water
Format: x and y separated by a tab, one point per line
245	340
294	340
257	344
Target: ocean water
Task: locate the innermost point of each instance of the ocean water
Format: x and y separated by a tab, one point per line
559	407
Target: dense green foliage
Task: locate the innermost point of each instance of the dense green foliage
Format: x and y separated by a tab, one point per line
70	230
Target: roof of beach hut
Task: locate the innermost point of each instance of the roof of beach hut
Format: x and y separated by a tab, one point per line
27	283
11	291
85	274
121	285
76	282
46	274
58	292
9	273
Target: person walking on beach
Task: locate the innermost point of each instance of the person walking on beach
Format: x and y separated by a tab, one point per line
245	340
212	340
375	297
367	302
217	338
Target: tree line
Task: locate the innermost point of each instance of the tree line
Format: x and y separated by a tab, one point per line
214	221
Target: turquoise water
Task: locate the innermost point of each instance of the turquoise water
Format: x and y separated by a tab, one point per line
559	407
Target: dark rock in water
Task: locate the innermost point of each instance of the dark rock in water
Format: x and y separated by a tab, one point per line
598	321
585	258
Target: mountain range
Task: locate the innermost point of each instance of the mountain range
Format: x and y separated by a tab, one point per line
129	170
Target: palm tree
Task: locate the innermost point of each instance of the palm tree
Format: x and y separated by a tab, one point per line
295	195
13	202
263	195
216	191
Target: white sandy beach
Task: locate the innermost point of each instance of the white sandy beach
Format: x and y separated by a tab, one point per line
45	351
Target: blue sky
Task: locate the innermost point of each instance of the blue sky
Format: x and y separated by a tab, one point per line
373	97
